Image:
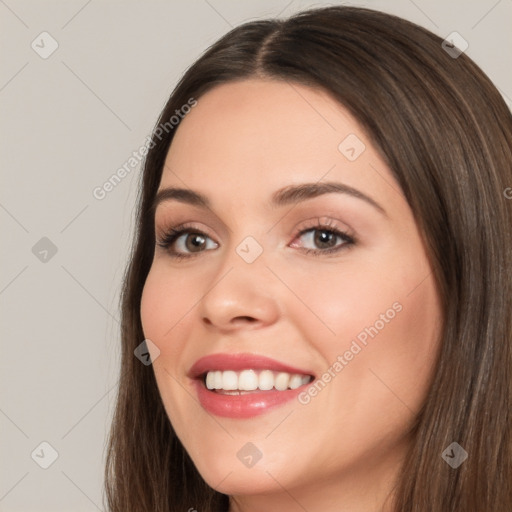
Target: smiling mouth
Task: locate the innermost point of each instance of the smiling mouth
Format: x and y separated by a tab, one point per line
230	382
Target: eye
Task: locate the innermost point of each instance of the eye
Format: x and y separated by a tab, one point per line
186	241
182	242
326	238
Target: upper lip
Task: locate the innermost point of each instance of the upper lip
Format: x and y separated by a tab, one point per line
242	361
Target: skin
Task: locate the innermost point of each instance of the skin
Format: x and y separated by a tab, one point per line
341	450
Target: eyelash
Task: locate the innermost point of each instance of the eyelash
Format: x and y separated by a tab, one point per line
173	234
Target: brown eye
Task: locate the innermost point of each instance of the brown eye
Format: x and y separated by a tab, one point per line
324	240
194	242
185	242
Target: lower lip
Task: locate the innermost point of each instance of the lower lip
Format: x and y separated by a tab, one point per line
243	406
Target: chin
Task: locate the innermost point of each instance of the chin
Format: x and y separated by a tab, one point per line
228	475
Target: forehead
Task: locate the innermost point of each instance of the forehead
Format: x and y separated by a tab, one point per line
254	136
261	115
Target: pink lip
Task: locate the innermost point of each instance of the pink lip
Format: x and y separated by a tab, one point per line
245	405
237	362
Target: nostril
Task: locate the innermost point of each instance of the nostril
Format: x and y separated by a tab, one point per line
249	318
235	320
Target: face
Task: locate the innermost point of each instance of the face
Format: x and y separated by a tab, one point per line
276	279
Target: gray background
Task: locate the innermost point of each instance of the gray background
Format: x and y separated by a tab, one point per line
68	122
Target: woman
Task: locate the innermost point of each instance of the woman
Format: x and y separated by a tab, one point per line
322	277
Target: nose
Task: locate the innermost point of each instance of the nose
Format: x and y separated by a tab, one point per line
242	296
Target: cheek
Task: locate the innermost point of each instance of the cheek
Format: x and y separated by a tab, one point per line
165	306
406	356
391	297
384	320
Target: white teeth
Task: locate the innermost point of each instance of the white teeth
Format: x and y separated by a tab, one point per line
217	382
229	380
250	380
281	381
295	381
210	380
266	380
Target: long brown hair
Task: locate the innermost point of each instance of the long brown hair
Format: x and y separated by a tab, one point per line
446	134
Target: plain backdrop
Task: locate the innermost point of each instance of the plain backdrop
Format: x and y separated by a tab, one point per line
68	121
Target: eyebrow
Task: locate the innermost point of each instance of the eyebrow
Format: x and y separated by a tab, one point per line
289	195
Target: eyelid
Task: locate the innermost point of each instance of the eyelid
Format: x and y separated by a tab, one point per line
324	222
176	232
166	237
163	230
